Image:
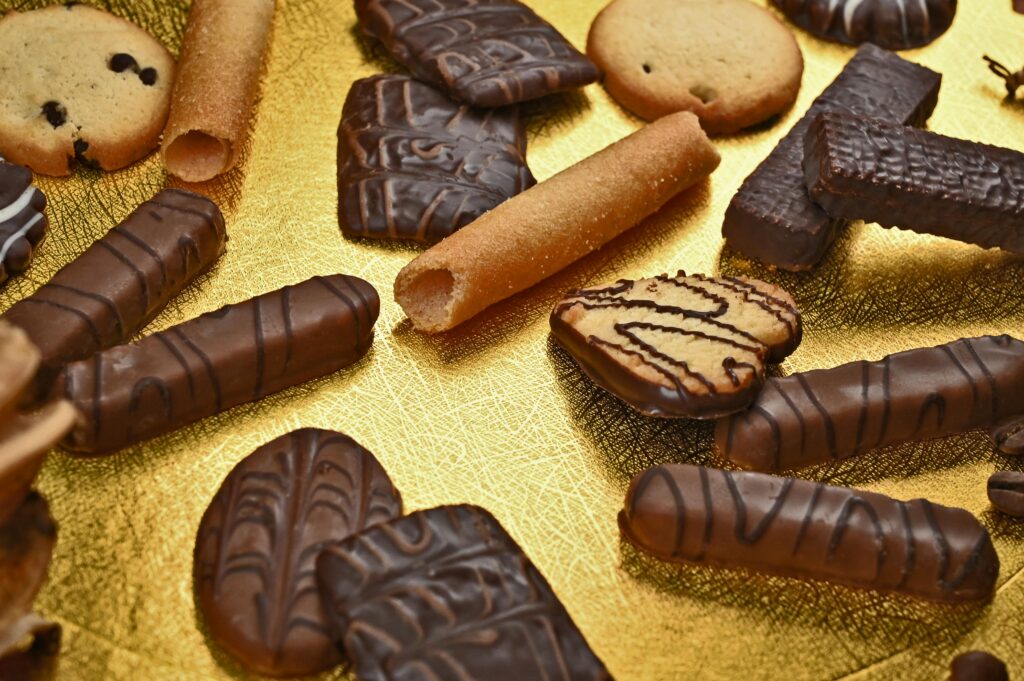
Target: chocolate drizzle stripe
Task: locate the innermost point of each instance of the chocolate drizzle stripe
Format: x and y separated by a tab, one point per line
97	385
94	332
940	408
119	325
910	547
709	511
830	428
140	276
996	406
862	419
346	301
669	376
181	362
776	433
842	524
939	541
211	373
971	383
886	401
286	315
808	517
147	249
797	414
741	511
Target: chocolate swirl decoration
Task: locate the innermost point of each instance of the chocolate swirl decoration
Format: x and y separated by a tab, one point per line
240	353
106	295
23	221
682	346
258	542
892	24
828	414
796	528
486	53
447	594
413	164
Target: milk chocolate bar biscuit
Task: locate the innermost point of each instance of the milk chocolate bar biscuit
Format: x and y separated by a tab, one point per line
78	84
413	164
486	53
23	221
729	61
828	414
240	353
892	24
862	169
771	218
258	541
683	346
106	295
447	594
795	528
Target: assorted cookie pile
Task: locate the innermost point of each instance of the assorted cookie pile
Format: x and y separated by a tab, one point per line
305	558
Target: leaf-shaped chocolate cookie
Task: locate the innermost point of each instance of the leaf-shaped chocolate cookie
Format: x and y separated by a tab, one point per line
259	539
413	164
486	53
447	594
682	346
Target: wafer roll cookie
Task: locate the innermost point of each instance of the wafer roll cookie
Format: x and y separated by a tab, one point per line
537	233
218	76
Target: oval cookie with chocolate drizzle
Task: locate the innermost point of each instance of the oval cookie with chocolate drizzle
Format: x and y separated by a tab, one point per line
683	346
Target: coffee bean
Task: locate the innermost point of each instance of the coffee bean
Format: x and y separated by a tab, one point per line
976	665
121	62
148	76
1006	492
1009	437
55	114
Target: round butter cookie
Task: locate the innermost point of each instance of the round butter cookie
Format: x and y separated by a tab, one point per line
730	62
79	84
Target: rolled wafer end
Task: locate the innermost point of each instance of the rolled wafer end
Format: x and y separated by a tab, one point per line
551	225
197	156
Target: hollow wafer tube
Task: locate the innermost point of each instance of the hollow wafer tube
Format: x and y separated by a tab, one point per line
218	77
537	233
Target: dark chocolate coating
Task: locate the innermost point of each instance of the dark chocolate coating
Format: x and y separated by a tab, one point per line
256	549
447	595
828	414
656	399
106	295
795	528
1006	492
862	169
23	220
413	164
771	218
977	665
238	354
892	24
486	53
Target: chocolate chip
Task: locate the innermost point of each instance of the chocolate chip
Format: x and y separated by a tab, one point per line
148	76
977	665
1006	492
647	68
55	114
121	62
81	146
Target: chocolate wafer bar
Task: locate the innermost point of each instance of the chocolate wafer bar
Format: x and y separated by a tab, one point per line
486	53
240	353
106	295
447	594
413	164
771	217
796	528
863	169
828	414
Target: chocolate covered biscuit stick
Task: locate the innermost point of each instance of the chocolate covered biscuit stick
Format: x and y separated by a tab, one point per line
106	295
829	414
237	354
796	528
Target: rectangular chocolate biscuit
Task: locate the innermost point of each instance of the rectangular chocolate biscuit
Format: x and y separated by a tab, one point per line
447	594
771	217
864	169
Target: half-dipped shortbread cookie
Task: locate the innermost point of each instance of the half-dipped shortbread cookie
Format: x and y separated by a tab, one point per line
682	346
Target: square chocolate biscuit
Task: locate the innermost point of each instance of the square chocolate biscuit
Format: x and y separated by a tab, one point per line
447	594
483	52
413	164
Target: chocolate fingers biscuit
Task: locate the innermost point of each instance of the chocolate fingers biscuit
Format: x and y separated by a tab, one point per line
448	594
795	528
486	53
682	346
413	164
828	414
237	354
771	218
862	169
106	295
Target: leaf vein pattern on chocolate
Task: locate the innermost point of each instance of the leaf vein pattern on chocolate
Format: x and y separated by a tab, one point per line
258	542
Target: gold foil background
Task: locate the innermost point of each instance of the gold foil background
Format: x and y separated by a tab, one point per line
494	414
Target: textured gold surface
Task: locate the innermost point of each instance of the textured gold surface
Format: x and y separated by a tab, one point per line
495	415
